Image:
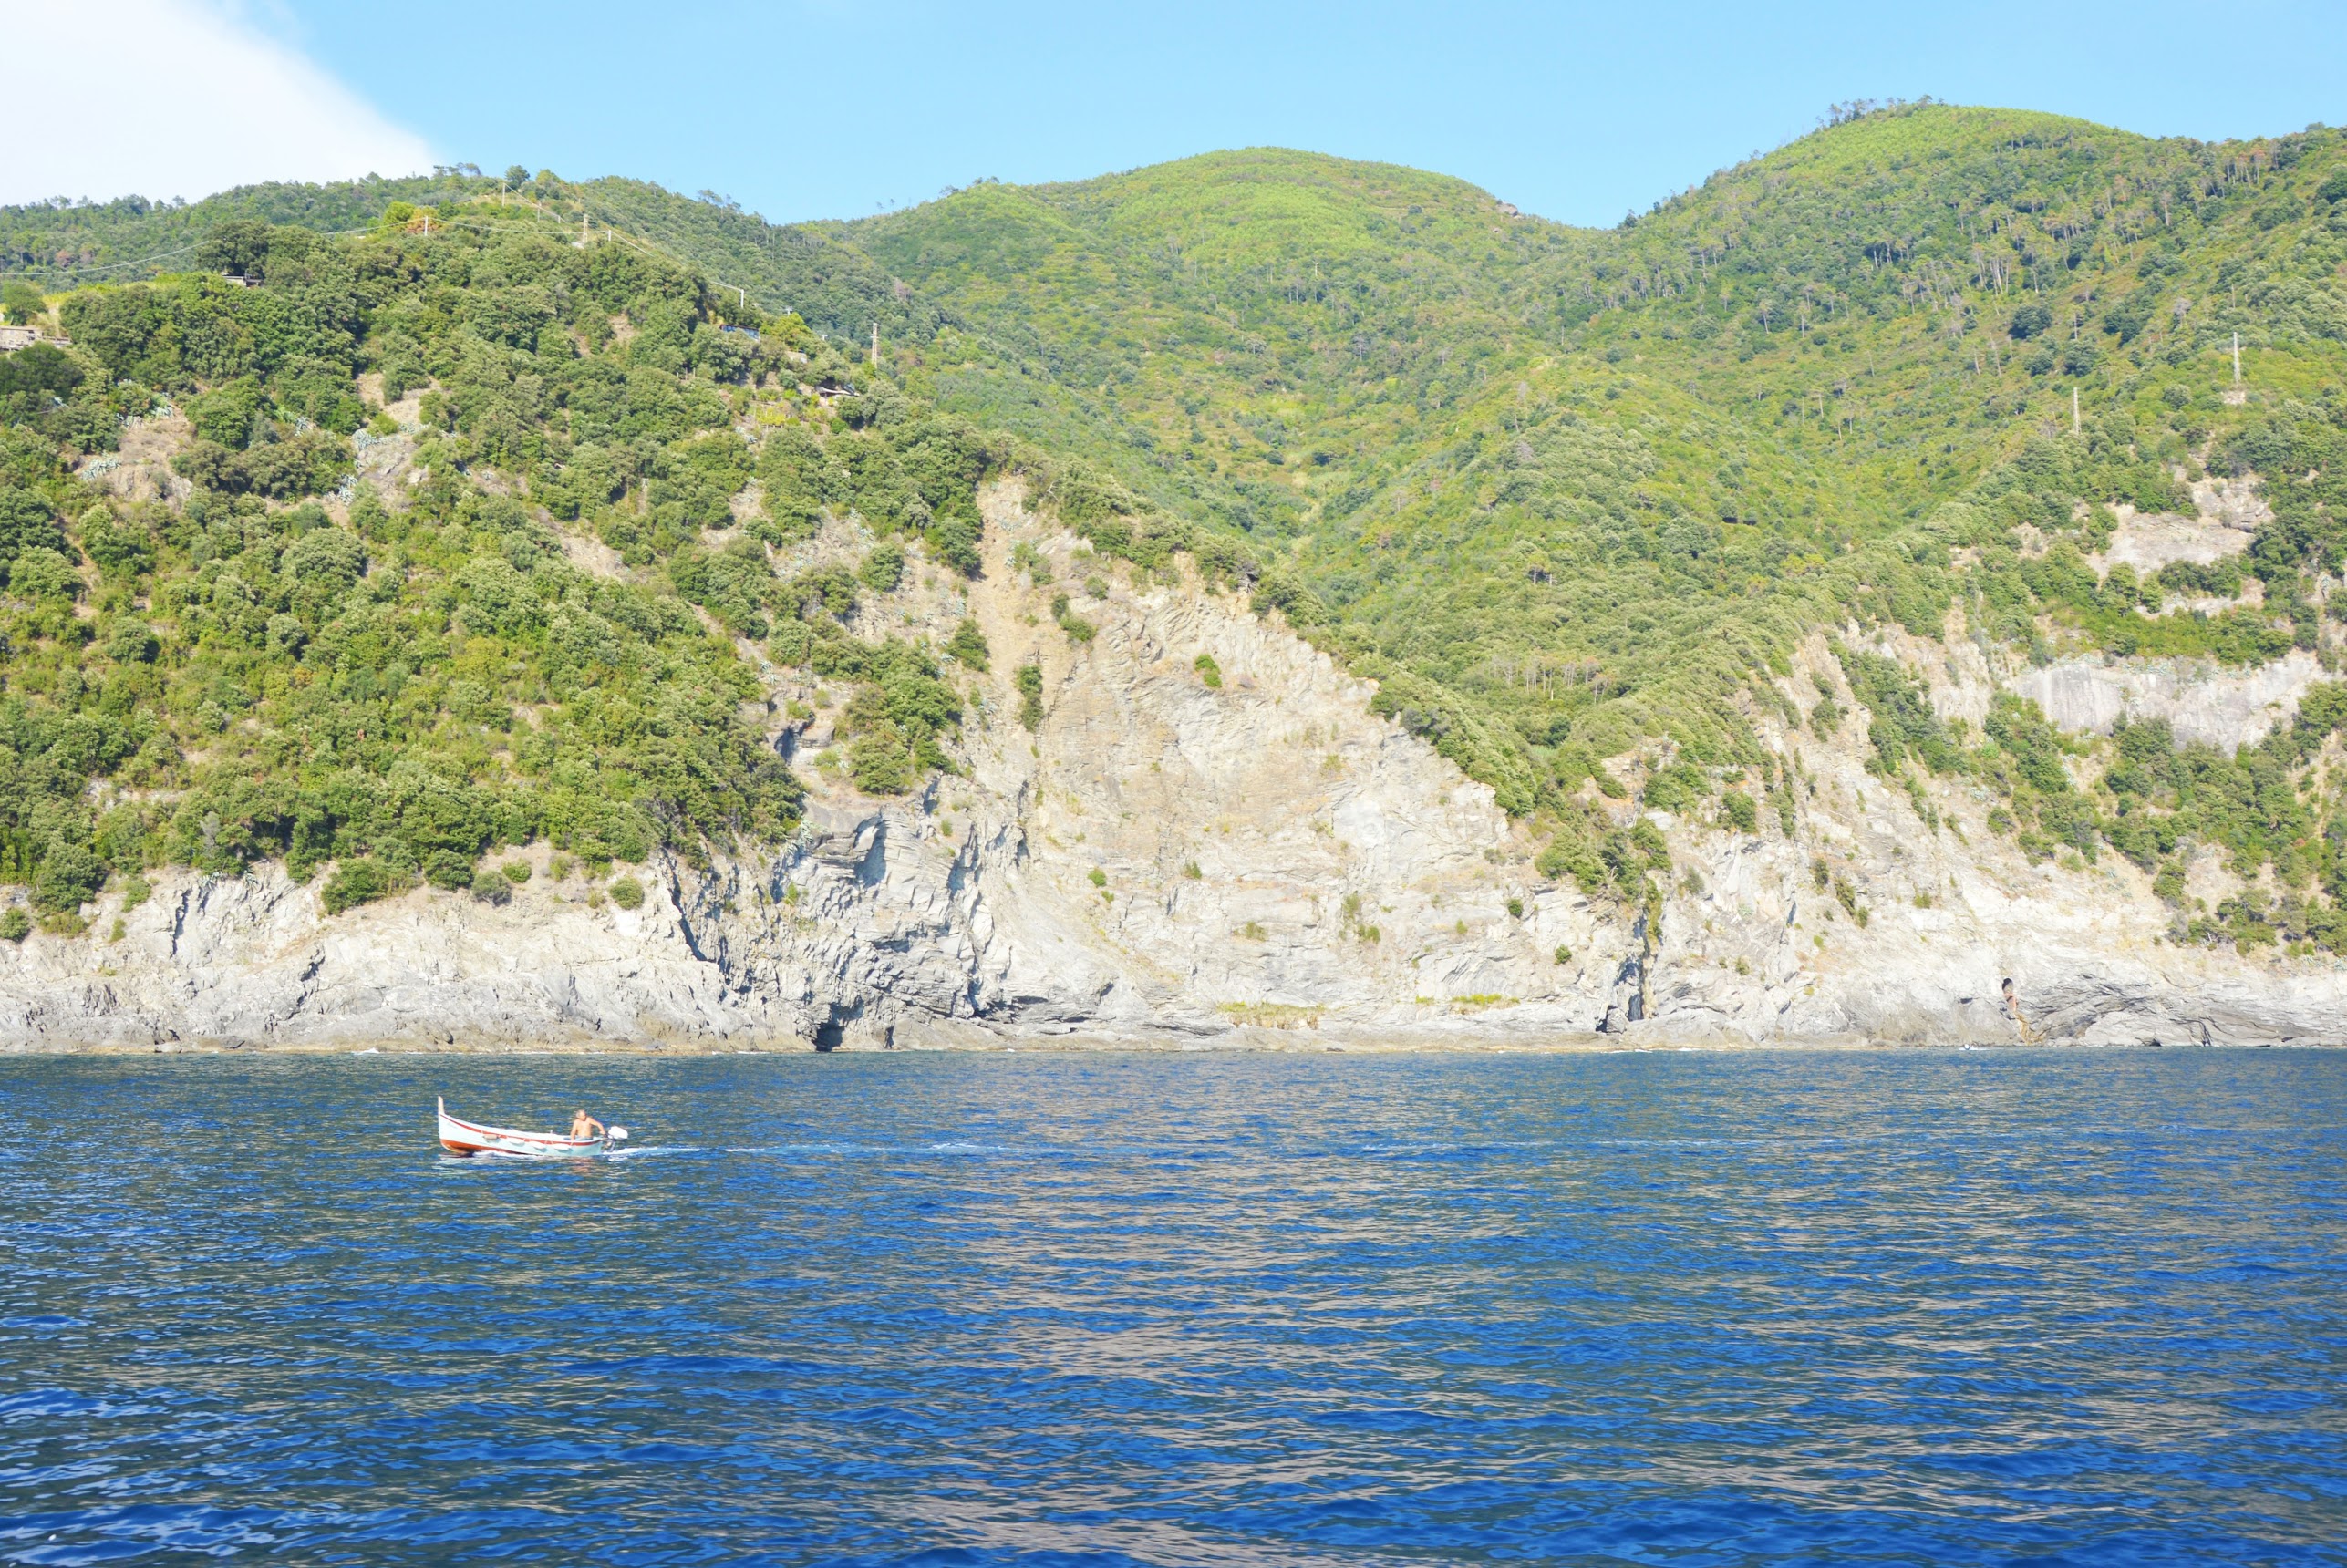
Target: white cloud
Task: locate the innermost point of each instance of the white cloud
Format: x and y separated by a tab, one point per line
174	98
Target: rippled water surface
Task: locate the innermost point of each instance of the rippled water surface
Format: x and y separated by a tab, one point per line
1927	1308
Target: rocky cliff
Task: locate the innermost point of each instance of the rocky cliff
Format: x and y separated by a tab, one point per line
1234	851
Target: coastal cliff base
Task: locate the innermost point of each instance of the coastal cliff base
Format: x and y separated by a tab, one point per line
1166	859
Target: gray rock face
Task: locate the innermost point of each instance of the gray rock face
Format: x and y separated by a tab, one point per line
2233	501
2200	700
1163	861
2148	542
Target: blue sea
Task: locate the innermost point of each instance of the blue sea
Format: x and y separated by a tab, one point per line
1685	1308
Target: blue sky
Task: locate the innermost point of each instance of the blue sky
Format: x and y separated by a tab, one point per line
804	108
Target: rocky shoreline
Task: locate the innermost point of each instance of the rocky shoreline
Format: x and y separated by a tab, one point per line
1257	862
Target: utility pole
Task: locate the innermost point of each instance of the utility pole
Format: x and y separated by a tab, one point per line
2073	410
2237	356
875	346
582	229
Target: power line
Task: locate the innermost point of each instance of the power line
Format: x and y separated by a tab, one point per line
108	267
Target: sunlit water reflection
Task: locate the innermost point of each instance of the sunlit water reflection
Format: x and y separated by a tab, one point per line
1205	1308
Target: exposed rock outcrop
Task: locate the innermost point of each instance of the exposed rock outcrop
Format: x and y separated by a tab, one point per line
1167	859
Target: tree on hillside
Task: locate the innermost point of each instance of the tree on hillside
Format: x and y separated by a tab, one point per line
239	247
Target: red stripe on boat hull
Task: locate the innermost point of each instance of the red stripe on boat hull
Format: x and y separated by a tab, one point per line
510	1142
521	1136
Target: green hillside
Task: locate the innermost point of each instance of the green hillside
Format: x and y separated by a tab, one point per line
1562	490
1462	428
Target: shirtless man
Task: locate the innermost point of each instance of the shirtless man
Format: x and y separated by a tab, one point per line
585	1126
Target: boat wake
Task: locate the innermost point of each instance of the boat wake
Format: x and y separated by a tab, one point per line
963	1148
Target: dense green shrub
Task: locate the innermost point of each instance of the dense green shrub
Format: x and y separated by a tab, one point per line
967	645
356	881
1031	696
1741	813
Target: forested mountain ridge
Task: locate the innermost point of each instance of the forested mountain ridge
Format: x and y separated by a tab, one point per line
1805	353
1564	492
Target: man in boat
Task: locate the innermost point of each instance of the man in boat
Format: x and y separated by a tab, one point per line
585	1126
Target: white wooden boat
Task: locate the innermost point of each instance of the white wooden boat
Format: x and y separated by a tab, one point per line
467	1139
